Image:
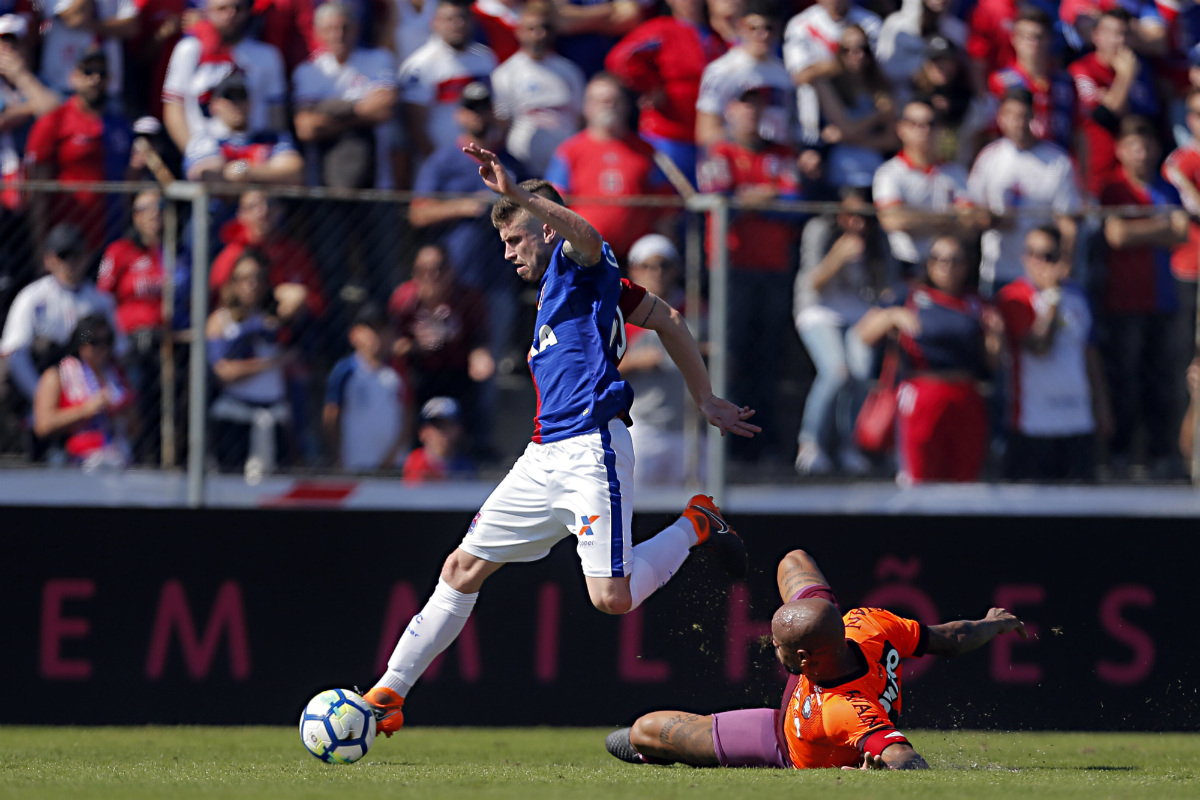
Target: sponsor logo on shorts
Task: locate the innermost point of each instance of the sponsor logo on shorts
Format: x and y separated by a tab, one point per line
585	524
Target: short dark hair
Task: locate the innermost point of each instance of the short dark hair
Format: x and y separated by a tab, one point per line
763	8
1133	125
1035	15
506	210
1022	96
86	331
1116	13
1050	230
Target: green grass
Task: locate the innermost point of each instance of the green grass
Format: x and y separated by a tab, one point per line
537	763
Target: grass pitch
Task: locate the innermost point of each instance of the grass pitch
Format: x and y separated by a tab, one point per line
537	763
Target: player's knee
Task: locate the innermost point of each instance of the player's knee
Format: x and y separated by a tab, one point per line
613	603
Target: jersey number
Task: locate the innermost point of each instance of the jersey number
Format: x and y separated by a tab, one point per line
545	339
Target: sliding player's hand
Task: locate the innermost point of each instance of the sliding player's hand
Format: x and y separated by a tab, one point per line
494	175
728	418
1007	621
870	762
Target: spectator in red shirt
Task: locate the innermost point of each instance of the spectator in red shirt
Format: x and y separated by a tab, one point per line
989	37
259	225
1139	299
1112	82
662	60
79	141
1054	105
606	159
1182	170
131	270
439	458
761	247
442	337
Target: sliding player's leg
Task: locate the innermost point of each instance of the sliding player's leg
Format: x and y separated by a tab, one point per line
744	738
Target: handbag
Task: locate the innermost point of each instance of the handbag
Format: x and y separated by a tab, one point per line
874	429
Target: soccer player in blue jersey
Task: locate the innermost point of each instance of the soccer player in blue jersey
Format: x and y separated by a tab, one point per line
575	477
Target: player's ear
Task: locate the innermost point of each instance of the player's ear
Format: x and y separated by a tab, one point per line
548	233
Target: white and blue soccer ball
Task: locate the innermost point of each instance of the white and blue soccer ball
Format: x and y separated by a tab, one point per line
337	726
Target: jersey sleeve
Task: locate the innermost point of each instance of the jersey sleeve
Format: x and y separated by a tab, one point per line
42	144
631	297
305	91
885	188
18	327
106	281
180	68
634	59
908	636
709	100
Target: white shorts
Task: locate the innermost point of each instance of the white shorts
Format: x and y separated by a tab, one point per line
579	487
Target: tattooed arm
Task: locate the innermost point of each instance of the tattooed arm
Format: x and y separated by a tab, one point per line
797	570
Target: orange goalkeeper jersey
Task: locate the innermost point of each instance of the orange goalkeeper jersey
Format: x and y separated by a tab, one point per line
832	726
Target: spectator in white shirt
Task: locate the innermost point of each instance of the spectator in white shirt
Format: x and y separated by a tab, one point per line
44	313
752	63
1024	182
218	46
810	48
345	99
910	189
904	33
538	92
76	26
433	78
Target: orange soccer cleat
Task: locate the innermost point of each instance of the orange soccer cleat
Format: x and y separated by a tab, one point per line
386	705
713	532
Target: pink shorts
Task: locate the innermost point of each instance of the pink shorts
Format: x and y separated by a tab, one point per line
750	737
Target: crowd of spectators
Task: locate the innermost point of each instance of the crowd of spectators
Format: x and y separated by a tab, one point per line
964	143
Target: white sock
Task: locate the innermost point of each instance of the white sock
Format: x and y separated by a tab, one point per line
656	560
428	633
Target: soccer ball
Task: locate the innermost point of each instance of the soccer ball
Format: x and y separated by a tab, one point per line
337	726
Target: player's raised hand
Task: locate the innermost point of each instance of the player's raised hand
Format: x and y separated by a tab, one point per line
728	418
1007	622
494	175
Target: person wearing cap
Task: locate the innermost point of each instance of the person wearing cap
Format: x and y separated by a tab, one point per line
760	246
80	141
44	313
662	60
443	338
433	78
538	93
241	154
1055	108
462	223
1112	82
440	433
751	62
72	28
659	393
965	116
368	416
606	159
345	97
901	46
216	46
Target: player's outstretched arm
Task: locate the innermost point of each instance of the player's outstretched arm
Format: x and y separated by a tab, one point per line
955	638
655	314
896	756
586	243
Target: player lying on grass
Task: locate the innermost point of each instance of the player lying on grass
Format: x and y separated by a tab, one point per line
574	478
846	682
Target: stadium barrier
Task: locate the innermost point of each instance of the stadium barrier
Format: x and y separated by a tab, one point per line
346	247
121	616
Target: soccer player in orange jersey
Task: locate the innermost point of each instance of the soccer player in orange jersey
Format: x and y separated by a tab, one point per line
845	683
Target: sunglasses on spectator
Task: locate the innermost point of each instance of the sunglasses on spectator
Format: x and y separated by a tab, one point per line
11	38
918	123
1042	255
940	259
858	48
100	341
93	71
235	95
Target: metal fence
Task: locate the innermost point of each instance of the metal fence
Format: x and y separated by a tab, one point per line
276	278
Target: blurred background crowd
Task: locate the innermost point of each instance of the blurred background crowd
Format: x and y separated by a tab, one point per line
1008	250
